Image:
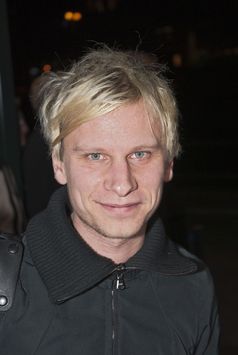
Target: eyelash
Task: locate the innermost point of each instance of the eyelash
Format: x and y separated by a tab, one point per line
99	156
145	154
90	156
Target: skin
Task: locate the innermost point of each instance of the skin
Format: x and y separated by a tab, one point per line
114	168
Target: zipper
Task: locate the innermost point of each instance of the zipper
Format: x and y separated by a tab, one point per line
118	284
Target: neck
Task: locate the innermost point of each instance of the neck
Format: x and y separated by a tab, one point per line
118	250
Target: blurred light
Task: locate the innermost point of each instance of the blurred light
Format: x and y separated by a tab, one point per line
68	16
73	16
177	60
46	68
77	16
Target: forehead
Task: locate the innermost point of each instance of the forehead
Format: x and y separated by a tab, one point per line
128	125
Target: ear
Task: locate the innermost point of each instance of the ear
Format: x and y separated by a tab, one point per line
59	170
168	173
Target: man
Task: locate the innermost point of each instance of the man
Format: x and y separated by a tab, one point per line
99	275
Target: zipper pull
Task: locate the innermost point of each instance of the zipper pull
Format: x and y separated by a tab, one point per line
119	283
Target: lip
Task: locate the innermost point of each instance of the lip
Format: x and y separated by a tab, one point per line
120	208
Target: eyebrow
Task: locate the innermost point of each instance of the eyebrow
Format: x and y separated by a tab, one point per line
79	148
144	147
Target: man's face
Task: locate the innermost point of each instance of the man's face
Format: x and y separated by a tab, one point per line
114	168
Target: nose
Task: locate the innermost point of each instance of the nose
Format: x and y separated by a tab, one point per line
120	179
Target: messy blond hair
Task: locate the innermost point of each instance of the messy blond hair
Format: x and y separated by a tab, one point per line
101	81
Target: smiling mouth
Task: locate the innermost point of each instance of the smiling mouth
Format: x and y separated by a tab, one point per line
115	205
125	208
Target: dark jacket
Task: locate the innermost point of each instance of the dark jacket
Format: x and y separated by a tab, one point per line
72	301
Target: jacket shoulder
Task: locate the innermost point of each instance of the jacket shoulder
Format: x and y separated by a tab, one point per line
11	251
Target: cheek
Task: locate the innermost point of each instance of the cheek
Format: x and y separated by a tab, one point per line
152	183
156	186
152	178
82	179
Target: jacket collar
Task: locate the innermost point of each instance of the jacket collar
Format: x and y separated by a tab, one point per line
68	266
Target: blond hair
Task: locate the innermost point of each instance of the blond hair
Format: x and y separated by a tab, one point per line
101	81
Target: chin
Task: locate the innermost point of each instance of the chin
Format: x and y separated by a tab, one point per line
121	232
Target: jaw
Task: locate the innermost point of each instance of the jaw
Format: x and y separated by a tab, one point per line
116	242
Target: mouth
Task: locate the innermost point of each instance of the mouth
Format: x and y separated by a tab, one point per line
126	208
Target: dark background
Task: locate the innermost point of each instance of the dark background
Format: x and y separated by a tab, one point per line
198	40
203	33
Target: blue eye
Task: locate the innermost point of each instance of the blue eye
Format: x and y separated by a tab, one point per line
95	156
139	155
